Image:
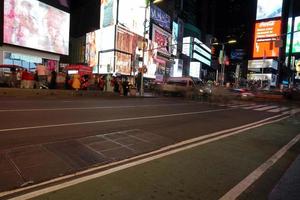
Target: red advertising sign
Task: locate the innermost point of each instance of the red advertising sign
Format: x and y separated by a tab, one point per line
162	39
266	34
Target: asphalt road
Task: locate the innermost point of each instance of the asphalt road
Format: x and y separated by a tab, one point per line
41	139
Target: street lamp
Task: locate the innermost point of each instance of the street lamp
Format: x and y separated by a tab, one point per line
232	41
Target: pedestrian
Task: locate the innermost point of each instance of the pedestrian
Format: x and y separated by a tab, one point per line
115	84
13	77
76	82
19	78
101	83
125	85
53	80
84	82
42	74
36	80
138	80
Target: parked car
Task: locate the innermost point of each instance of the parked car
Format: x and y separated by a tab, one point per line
184	86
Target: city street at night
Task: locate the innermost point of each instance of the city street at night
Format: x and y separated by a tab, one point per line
149	99
165	141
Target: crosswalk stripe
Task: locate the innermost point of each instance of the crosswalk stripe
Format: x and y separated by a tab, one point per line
240	105
276	110
265	108
252	107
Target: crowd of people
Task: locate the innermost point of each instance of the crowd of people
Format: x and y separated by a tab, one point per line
42	78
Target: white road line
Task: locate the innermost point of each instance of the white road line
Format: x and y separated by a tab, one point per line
240	105
257	173
252	107
170	150
91	108
266	108
113	120
276	110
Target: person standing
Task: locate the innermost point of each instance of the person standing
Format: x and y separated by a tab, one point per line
125	85
53	80
101	83
42	75
76	82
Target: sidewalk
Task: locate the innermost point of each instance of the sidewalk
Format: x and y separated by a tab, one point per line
17	92
288	188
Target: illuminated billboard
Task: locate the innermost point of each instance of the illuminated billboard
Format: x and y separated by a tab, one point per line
296	37
92	48
268	9
266	33
132	15
36	25
162	38
195	68
108	13
174	38
160	17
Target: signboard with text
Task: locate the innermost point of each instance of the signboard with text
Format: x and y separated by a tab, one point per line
266	34
160	17
162	38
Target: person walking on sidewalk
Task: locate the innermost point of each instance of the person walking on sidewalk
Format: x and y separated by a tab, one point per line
125	85
76	82
53	80
42	76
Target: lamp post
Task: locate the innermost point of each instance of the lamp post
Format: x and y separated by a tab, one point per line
223	56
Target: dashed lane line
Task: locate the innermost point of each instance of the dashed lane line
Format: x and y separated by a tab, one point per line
92	108
113	120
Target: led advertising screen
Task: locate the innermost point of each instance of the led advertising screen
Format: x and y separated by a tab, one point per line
92	48
162	38
296	38
33	24
268	9
160	17
195	68
266	33
108	13
132	15
174	38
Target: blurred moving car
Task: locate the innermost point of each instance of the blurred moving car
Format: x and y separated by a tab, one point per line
184	86
292	93
242	93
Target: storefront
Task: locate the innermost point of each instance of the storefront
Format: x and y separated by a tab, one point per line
264	70
28	59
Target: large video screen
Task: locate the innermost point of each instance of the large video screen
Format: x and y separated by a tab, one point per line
33	24
296	37
132	15
268	9
266	34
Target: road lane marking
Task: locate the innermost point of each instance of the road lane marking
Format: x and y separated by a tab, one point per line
201	139
91	108
278	109
113	120
266	108
252	107
257	173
